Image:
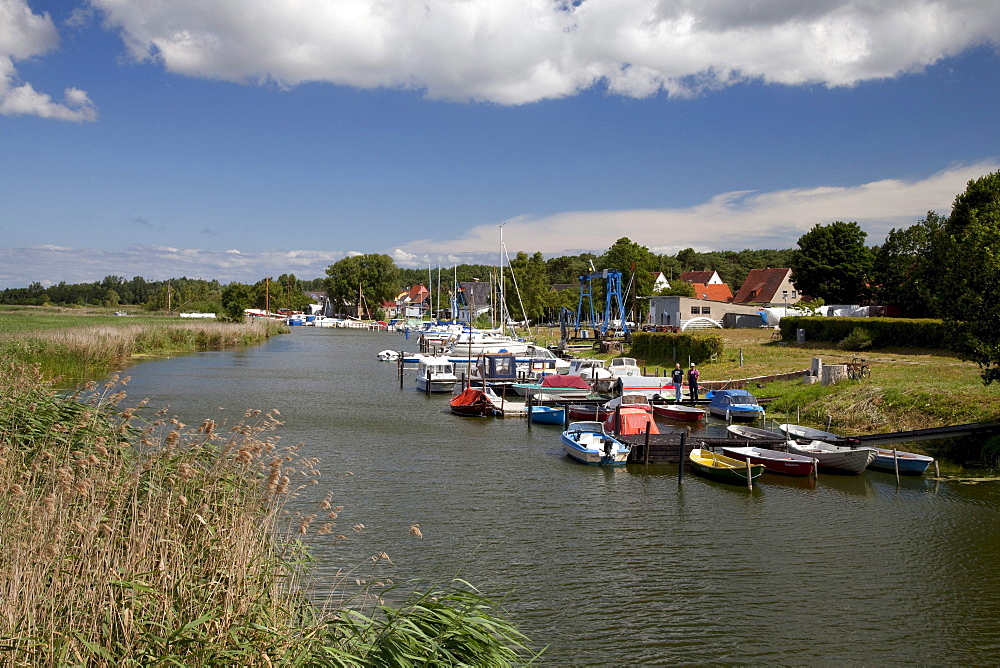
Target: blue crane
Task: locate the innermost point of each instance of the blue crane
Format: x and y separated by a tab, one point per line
612	298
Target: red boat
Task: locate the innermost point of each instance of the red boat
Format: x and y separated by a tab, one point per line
595	413
474	402
678	412
772	460
632	420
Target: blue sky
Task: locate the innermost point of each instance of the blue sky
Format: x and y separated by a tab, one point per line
234	139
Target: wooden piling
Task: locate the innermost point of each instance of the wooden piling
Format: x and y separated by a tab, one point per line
937	470
527	405
680	460
895	463
749	475
648	424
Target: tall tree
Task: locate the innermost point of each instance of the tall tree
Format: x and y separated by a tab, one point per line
834	263
965	259
531	288
901	275
235	298
374	276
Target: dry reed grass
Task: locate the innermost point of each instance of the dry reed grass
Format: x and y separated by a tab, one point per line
135	541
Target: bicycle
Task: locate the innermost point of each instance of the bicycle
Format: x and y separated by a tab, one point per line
858	369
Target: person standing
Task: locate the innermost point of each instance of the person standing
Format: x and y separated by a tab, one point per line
677	376
693	375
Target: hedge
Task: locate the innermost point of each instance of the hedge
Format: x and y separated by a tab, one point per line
676	347
884	332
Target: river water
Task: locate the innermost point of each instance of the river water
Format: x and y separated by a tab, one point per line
611	567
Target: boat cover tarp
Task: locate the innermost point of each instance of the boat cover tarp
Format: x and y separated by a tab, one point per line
633	421
470	397
564	381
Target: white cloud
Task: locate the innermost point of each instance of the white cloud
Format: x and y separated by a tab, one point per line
24	34
520	51
51	264
729	221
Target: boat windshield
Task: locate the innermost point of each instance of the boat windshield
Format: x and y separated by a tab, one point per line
587	426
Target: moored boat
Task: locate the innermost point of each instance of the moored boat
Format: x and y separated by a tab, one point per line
555	387
835	458
473	402
548	414
747	433
588	443
808	433
735	405
436	374
909	463
723	468
678	412
630	420
772	460
595	412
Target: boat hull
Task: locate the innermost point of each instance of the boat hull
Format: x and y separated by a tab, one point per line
772	460
722	468
676	412
833	458
585	412
437	386
548	415
595	449
910	463
737	413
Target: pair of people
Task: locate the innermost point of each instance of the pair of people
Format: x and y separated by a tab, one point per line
677	377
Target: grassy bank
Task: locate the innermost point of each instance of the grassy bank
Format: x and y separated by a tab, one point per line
132	539
79	346
909	388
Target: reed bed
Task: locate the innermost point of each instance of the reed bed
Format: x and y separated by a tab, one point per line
132	539
79	353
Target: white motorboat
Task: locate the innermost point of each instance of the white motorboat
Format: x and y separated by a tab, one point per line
834	457
436	374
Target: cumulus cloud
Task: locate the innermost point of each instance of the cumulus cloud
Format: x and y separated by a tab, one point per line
24	34
729	221
521	51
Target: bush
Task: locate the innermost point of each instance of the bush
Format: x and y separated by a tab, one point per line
883	332
658	346
858	339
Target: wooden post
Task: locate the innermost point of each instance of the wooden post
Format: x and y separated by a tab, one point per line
829	421
798	418
618	418
680	460
749	475
648	424
527	404
937	469
816	468
741	357
895	463
399	369
565	417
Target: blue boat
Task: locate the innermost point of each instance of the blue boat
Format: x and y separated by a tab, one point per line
588	443
548	415
735	405
910	463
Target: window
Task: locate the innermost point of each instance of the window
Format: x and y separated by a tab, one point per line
705	310
695	310
793	294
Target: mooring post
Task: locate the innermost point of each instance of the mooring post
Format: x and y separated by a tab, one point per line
816	468
749	475
937	469
399	368
618	419
680	459
895	463
648	424
527	405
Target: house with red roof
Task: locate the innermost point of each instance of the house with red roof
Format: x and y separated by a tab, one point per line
768	287
718	292
706	277
412	302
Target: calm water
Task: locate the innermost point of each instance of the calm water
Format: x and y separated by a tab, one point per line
614	567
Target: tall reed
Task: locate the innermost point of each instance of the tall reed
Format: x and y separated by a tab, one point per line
133	539
79	353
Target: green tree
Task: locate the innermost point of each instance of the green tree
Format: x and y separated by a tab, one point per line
678	287
637	265
902	267
965	260
235	298
375	276
834	263
531	287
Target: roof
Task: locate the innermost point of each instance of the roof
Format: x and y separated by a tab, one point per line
761	286
719	292
697	276
474	293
